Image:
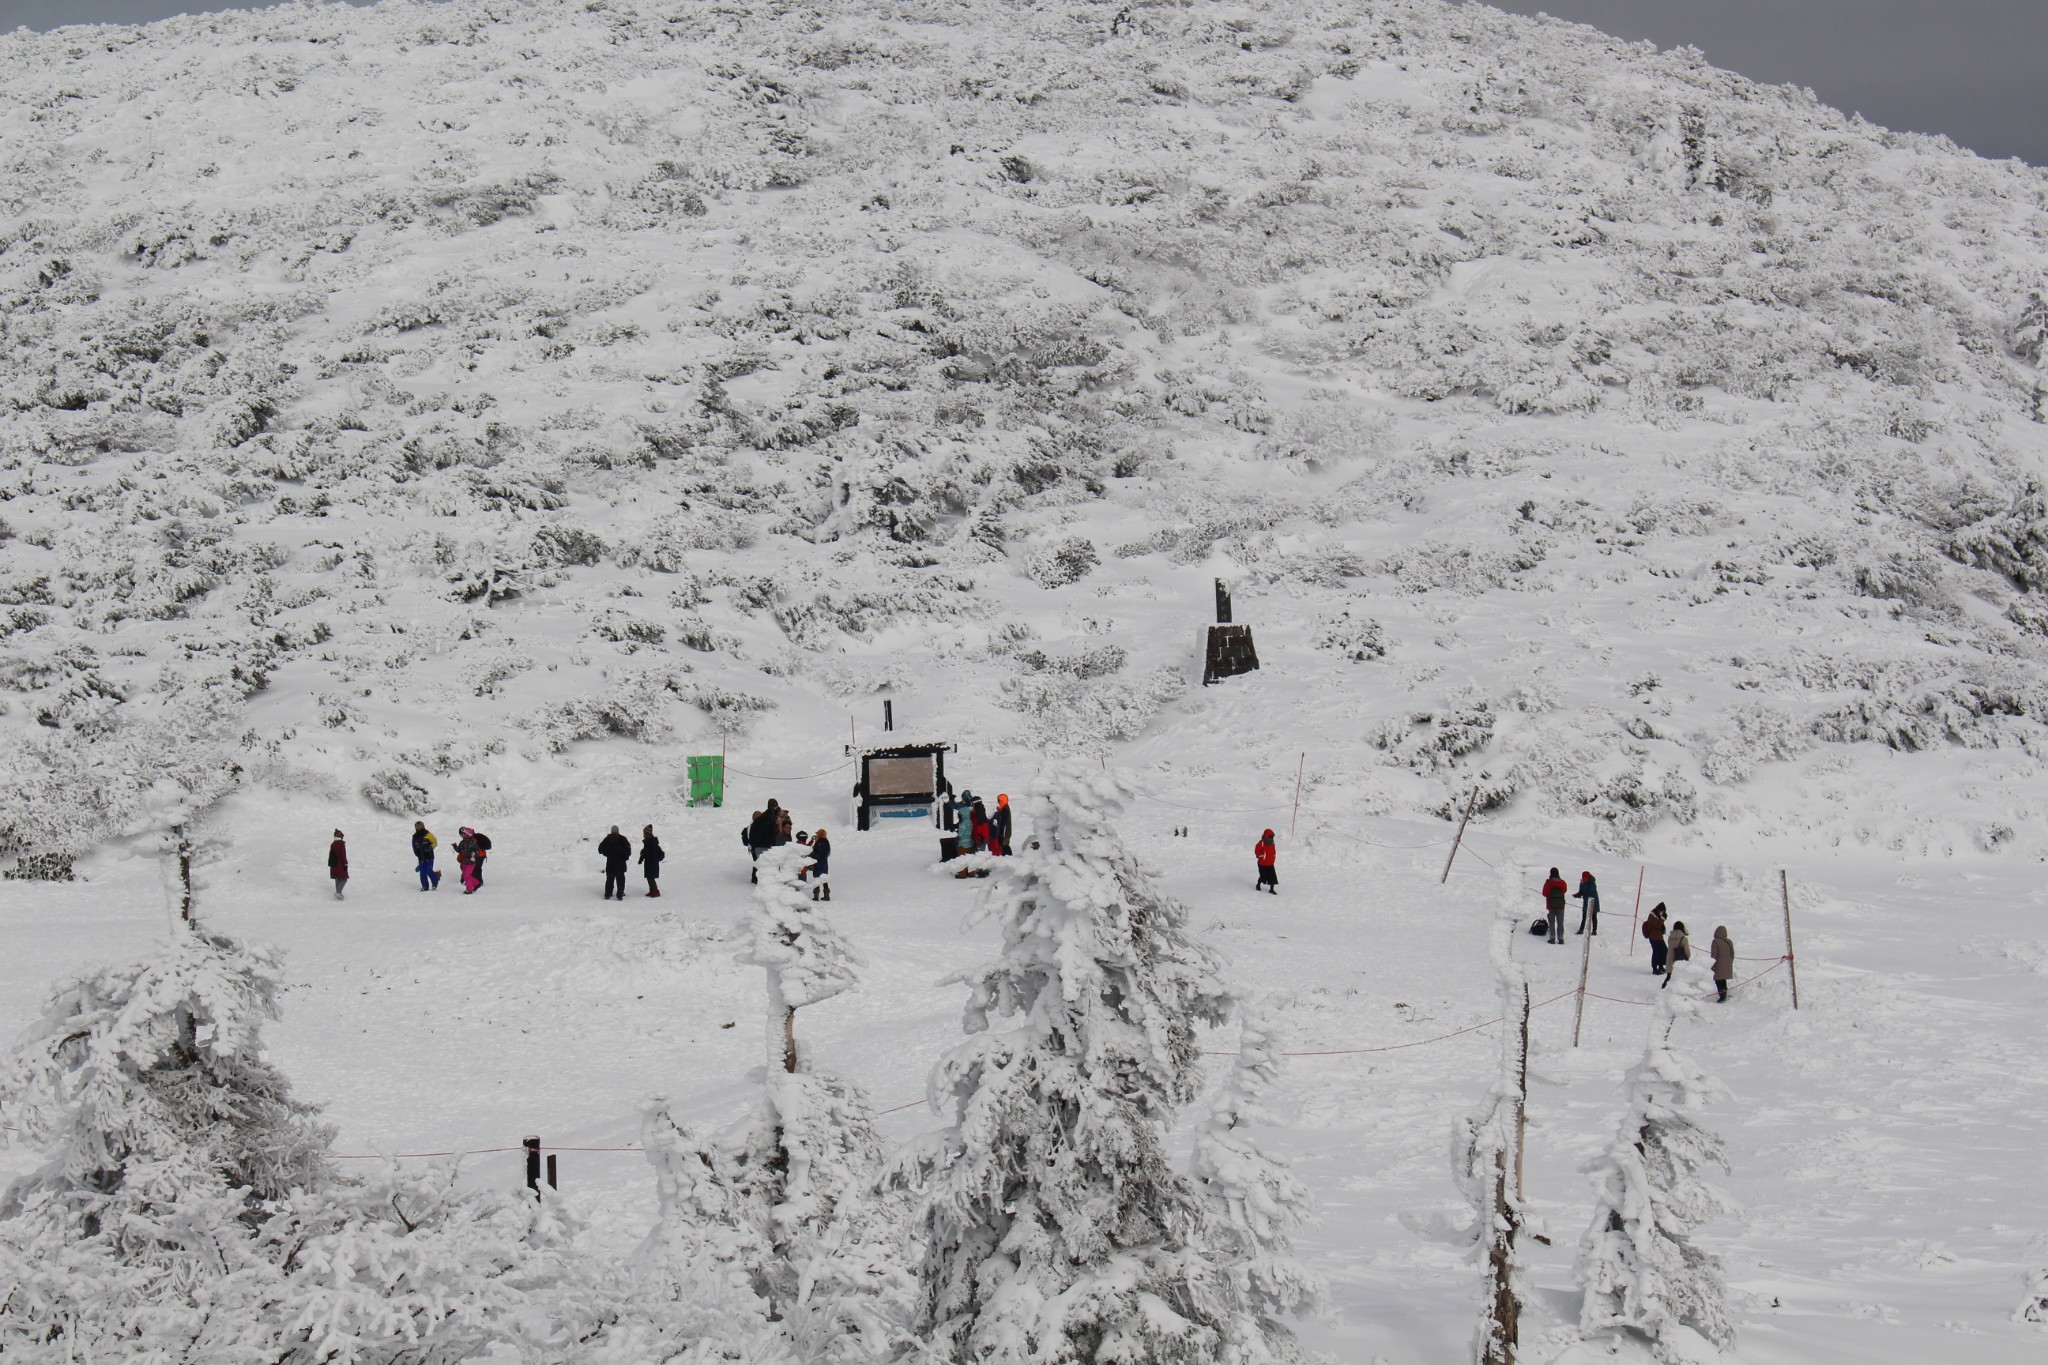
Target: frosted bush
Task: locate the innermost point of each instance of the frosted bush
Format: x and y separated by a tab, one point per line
1349	633
1068	561
396	792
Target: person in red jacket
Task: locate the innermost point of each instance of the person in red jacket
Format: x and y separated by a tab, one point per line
337	863
1554	892
1266	854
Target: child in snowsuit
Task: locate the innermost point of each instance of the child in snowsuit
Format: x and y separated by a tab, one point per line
1588	896
423	846
650	860
615	848
1267	855
820	870
467	856
1679	948
1724	960
337	863
1554	891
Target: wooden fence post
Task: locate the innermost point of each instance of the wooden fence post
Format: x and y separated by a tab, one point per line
1791	963
532	1146
1461	836
1579	1012
1295	819
1635	918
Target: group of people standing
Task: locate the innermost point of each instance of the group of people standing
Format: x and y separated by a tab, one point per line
976	829
471	848
1669	942
773	827
615	848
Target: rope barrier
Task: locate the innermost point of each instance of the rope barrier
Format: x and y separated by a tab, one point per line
805	777
1209	810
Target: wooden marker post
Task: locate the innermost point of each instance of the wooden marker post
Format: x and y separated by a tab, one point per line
1469	807
1791	962
1579	1011
1634	920
1299	769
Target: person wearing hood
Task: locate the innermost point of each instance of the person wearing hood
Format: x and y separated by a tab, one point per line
1723	949
1653	930
423	845
964	815
1554	891
819	872
467	855
762	834
337	863
1267	855
650	861
1588	897
999	825
615	848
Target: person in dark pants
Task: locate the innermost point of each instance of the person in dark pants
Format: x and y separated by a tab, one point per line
615	848
1723	949
1553	905
650	860
1679	946
1267	855
1588	896
1653	930
764	833
423	845
999	825
820	870
337	864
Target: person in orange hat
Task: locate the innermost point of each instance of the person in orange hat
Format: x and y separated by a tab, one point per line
999	826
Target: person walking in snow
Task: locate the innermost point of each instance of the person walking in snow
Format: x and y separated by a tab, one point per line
999	826
761	833
468	856
1554	891
1653	930
423	845
1723	949
820	870
337	863
1679	948
1267	855
1588	896
650	861
615	848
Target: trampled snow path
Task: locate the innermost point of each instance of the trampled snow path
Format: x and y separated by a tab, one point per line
1884	1137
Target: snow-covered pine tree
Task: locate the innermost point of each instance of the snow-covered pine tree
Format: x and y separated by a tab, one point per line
1254	1204
2034	1308
1054	1228
1638	1263
188	1212
781	1213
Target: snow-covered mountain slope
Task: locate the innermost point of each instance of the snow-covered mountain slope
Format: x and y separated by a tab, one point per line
394	399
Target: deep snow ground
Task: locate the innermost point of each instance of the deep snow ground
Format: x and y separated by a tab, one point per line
1883	1138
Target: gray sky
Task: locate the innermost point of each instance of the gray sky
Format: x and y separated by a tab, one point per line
1976	70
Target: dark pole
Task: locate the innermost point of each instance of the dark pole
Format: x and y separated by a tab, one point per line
888	714
1222	604
532	1146
551	1172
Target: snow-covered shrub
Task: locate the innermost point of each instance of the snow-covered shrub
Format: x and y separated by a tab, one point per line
1639	1264
1053	1227
397	792
1254	1205
1068	561
1065	711
2034	1308
780	1215
188	1211
1349	633
1746	737
1435	741
2014	543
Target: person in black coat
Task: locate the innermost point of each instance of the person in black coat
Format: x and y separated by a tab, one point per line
650	859
764	833
820	869
615	848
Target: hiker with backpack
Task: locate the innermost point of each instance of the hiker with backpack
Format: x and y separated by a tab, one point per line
337	863
1554	891
469	858
423	845
1653	930
615	848
1266	853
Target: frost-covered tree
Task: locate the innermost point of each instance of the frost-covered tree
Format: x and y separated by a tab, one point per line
1054	1228
2035	1307
774	1231
1254	1204
1638	1263
187	1210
